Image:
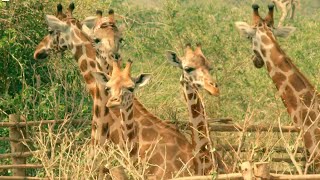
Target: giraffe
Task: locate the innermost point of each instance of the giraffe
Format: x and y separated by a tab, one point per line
48	43
71	37
196	74
297	93
171	151
285	6
66	34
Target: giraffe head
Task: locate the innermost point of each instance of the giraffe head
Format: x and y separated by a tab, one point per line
105	34
56	40
262	33
120	84
196	68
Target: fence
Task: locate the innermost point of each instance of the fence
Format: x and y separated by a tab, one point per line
19	152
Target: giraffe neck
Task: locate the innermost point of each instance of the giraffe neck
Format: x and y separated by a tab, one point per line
199	127
128	125
297	94
85	56
104	62
104	125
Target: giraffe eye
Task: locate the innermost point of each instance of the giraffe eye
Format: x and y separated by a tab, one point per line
189	69
50	31
107	88
131	89
97	40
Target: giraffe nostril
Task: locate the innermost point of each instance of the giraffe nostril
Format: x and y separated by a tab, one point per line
214	84
41	55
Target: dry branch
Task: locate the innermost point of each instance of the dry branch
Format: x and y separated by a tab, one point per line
239	176
220	176
307	176
21	178
222	147
21	166
251	128
43	122
14	140
18	154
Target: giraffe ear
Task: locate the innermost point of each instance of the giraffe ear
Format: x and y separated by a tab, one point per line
101	77
89	21
55	24
283	31
174	59
142	79
245	29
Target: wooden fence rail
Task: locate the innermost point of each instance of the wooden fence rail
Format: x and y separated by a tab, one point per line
19	152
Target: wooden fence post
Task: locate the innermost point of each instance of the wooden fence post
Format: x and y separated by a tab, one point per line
17	132
247	170
262	170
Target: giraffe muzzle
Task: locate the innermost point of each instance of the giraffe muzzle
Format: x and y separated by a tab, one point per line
212	88
113	102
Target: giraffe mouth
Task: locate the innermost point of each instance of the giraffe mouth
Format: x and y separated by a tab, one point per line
114	104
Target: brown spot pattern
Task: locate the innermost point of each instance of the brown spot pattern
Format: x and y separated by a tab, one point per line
289	99
90	51
129	126
278	78
97	95
97	111
263	52
305	114
307	140
171	151
201	126
156	159
317	134
149	134
88	78
130	116
78	52
296	82
105	129
106	110
190	96
196	109
91	91
131	135
92	64
114	136
308	99
146	122
285	64
83	65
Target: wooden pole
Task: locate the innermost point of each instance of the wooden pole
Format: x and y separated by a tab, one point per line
17	133
247	170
